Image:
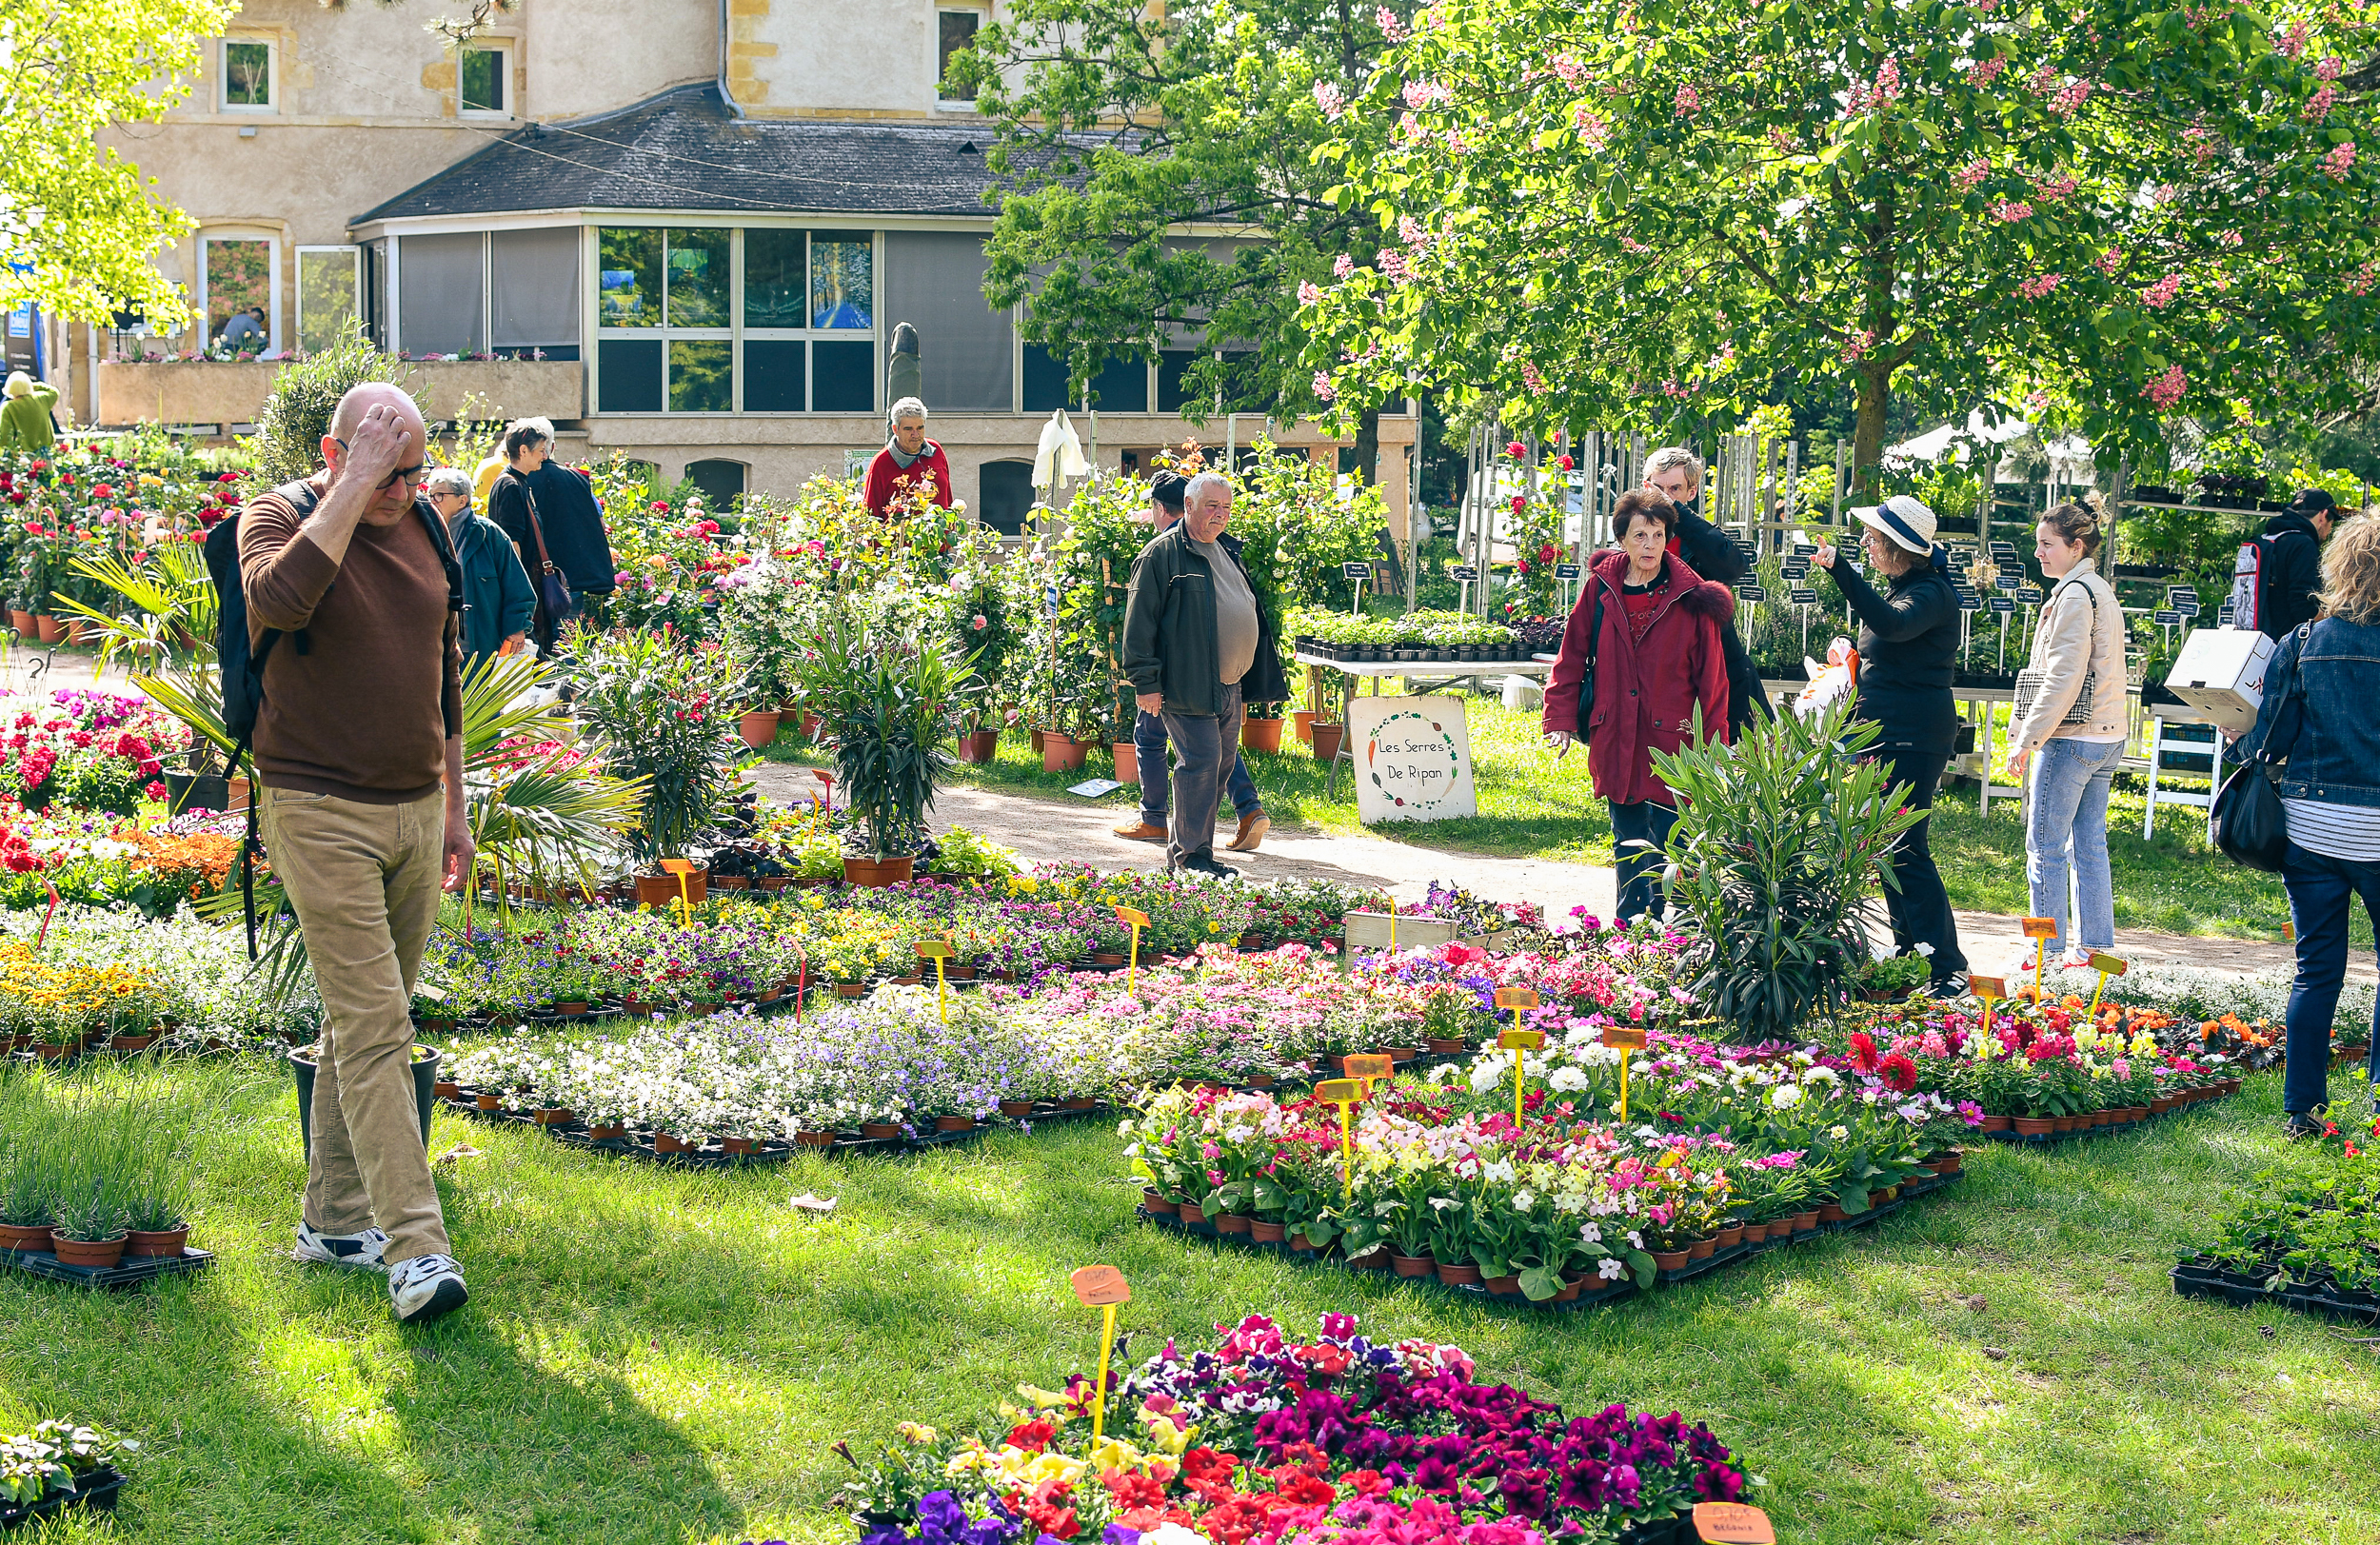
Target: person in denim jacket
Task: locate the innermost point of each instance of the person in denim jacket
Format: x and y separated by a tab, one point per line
2331	792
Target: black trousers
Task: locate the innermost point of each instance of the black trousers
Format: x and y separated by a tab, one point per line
1920	908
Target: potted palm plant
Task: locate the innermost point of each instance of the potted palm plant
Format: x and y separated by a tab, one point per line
890	706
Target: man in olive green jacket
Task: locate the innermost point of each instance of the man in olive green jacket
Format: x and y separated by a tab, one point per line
1198	645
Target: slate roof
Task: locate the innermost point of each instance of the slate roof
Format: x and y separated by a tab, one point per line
684	151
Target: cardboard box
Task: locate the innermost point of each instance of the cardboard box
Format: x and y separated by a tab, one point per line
2220	673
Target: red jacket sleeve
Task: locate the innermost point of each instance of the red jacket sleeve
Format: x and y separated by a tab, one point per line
1569	668
1710	682
940	464
879	492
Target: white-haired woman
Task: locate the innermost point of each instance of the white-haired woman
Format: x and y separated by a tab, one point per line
907	461
497	600
550	513
24	423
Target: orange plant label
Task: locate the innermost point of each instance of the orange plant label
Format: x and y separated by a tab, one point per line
1370	1065
936	949
1733	1523
2041	927
1527	1040
1339	1091
2114	965
1624	1037
1516	998
1132	917
1988	988
677	867
1097	1286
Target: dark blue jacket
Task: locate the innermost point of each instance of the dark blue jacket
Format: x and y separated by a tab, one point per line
1908	648
496	588
2337	756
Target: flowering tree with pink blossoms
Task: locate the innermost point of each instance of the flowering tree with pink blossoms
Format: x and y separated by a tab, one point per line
2101	212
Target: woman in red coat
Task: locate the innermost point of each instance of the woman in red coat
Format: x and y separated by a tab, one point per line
1648	629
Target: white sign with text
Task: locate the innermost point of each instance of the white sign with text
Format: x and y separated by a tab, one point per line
1413	759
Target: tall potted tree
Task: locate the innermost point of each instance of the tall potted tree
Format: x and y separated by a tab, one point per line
664	712
890	706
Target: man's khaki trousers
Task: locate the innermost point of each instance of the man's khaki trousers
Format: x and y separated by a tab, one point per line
364	880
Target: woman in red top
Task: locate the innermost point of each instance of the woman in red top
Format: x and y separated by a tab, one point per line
1648	629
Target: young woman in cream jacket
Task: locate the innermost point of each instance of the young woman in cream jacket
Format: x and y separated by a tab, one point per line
2071	728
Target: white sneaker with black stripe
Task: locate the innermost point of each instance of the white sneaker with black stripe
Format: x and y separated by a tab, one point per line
359	1252
425	1287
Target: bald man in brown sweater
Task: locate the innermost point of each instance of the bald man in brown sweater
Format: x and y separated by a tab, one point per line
358	750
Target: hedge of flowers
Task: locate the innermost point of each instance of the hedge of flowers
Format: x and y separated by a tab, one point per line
1339	1440
179	978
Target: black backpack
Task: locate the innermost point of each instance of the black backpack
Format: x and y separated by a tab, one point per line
243	668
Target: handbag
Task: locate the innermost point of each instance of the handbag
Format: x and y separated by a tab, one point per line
551	592
2029	681
2246	820
1594	645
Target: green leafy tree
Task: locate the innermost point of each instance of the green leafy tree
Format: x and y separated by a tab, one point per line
79	222
2100	210
1122	125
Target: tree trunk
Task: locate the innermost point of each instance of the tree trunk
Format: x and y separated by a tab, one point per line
1867	443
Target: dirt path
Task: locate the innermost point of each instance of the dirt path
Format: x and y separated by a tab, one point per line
1048	830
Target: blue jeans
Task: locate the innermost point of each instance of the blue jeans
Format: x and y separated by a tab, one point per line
2068	833
2320	889
1149	739
1640	887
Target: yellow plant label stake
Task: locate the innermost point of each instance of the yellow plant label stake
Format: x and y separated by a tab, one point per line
1346	1094
1101	1288
1626	1037
1133	917
1989	989
1372	1067
937	951
2107	965
2040	930
1517	1040
684	871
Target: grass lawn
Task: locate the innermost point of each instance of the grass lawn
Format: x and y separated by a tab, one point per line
654	1356
1533	805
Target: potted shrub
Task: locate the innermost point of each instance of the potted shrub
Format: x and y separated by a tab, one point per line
661	710
1888	979
890	704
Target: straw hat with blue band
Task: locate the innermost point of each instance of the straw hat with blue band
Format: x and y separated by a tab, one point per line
1904	522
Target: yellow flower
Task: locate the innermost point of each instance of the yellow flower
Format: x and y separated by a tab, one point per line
918	1431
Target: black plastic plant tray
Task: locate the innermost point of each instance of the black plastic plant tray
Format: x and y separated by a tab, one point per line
98	1493
2202	1278
44	1263
712	1156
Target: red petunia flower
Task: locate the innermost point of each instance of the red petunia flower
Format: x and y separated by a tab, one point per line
1899	1072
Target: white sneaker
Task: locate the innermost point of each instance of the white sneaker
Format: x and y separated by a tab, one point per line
425	1287
361	1252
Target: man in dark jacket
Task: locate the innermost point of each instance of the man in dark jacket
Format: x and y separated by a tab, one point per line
1198	646
1675	473
2291	568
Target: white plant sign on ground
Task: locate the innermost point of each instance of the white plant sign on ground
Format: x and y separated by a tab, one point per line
1413	759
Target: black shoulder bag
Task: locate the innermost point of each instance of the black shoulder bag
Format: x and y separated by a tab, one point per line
1595	643
2247	820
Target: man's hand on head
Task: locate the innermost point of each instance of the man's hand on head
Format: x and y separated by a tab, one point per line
382	442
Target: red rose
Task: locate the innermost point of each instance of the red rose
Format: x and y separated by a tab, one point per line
1515	450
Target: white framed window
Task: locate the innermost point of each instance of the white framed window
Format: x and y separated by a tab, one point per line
238	277
954	33
249	76
330	295
484	79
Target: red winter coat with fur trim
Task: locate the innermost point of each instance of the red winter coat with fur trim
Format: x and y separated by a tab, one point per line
1645	694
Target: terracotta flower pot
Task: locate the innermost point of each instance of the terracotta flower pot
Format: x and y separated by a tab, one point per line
1805	1221
2034	1126
1231	1223
153	1243
1259	735
1326	739
1155	1202
1731	1236
954	1123
1668	1260
1570	1290
1756	1233
740	1146
1378	1258
661	889
665	1143
2161	1104
1831	1212
79	631
445	1089
1076	1103
1411	1265
758	729
1265	1233
1060	754
1190	1212
555	1116
1040	739
1996	1124
1106	957
1448	1046
24	1236
1302	1244
1303	726
24	624
611	1132
872	875
880	1129
850	989
980	748
1702	1249
490	1103
1016	1110
1508	1286
101	1253
814	1139
1128	762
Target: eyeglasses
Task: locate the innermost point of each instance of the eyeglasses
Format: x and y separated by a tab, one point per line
404	474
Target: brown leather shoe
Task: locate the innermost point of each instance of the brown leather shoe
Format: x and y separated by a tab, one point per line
1251	830
1140	831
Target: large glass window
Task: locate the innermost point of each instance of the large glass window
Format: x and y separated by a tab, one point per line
535	298
702	375
247	75
842	280
843	377
776	375
958	36
329	305
776	278
698	278
238	282
442	296
630	274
